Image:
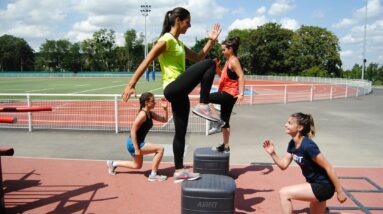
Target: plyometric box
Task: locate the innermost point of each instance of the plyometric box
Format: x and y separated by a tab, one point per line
213	194
207	161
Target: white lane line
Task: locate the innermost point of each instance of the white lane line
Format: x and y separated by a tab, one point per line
95	89
45	89
155	89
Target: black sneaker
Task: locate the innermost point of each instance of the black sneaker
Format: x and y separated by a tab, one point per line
222	148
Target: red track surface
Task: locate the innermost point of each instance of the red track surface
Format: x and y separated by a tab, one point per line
78	186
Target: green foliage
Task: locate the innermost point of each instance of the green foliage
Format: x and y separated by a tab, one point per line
215	51
314	46
270	43
15	54
315	71
245	54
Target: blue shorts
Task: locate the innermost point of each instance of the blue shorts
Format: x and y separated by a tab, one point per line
130	147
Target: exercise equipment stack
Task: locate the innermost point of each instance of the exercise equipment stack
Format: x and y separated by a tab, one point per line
214	192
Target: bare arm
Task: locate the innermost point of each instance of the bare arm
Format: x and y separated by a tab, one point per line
141	117
164	118
217	67
213	36
237	68
158	48
281	163
321	161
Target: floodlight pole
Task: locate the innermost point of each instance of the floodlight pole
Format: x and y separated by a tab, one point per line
364	44
145	10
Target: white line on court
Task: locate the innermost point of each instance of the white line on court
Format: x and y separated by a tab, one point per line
45	89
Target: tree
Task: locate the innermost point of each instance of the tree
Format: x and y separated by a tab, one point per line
215	51
314	46
15	54
270	43
354	73
245	54
104	43
372	72
59	55
134	49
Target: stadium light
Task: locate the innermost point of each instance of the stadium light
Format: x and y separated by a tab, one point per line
145	10
364	43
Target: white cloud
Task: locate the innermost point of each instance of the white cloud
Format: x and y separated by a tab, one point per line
350	39
205	10
32	31
345	22
261	11
374	9
248	23
237	11
319	14
36	12
289	23
106	7
280	7
346	53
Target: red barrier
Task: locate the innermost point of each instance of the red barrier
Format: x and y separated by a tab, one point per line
24	109
8	120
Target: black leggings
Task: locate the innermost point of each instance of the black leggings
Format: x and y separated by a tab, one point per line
227	102
177	94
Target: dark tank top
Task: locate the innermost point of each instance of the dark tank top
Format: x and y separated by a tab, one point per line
145	127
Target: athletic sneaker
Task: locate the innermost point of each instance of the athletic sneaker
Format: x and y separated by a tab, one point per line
185	175
205	112
111	168
216	127
157	177
221	148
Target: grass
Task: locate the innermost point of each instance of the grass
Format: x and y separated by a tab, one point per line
74	85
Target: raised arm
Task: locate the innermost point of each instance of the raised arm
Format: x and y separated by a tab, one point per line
158	48
213	36
164	118
281	163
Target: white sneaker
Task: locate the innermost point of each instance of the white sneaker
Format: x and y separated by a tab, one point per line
205	111
157	177
111	168
185	175
216	127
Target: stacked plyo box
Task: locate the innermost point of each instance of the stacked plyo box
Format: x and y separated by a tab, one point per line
214	192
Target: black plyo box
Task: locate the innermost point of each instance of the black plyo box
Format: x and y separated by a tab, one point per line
213	194
207	161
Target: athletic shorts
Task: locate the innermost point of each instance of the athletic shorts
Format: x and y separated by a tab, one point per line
130	147
323	191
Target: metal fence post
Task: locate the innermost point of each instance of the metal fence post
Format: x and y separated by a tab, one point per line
311	91
116	113
285	94
29	113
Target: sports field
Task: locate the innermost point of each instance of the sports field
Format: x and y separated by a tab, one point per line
74	85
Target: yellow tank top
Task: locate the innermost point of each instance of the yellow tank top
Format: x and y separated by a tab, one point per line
172	60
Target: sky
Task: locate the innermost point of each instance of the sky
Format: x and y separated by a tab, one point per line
39	20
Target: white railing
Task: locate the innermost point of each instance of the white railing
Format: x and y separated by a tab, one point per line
107	112
84	112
